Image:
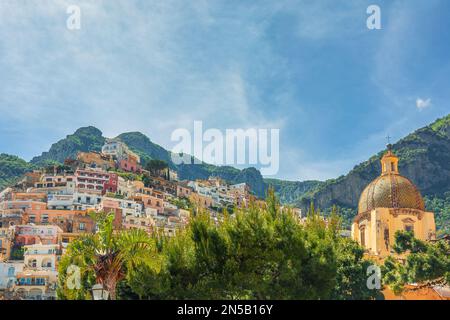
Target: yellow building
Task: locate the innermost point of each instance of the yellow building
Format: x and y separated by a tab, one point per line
388	204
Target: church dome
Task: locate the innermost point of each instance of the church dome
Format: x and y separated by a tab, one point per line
390	190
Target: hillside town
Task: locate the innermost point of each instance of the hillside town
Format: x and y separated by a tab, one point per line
50	207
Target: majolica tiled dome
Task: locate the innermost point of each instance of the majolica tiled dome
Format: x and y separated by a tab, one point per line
390	190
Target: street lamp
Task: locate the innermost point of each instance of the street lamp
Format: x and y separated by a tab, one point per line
99	293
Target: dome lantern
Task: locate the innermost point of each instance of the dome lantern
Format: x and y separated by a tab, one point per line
389	162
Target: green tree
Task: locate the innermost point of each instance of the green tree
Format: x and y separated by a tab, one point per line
106	257
258	253
417	262
155	166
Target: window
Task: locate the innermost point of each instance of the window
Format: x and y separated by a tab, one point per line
32	218
409	228
33	263
11	271
82	226
392	166
363	236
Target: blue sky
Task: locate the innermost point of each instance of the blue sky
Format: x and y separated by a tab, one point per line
310	68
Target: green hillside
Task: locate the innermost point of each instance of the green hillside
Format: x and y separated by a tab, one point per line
11	169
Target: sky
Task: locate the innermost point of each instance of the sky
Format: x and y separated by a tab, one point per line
311	69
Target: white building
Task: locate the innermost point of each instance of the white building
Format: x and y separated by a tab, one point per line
83	200
38	279
8	273
117	149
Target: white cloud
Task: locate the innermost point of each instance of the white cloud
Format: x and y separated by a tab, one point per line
423	104
150	67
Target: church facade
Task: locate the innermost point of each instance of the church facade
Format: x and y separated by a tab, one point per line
390	203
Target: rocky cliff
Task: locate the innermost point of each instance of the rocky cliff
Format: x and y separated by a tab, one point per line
424	158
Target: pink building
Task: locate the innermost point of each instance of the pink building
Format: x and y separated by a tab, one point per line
31	234
95	181
112	184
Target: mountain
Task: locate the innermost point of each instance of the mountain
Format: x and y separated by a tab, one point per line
84	139
11	169
148	150
91	139
424	158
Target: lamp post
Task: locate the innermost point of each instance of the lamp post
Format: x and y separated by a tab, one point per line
99	292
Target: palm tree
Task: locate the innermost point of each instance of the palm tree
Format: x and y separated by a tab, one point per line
109	255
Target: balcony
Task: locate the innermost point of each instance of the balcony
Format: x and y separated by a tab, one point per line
32	282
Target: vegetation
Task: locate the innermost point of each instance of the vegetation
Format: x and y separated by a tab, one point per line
11	168
17	253
155	166
129	176
346	214
106	257
425	262
257	253
182	203
441	208
424	158
290	191
84	139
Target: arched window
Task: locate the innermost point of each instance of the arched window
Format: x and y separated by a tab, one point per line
408	225
409	228
32	263
363	236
